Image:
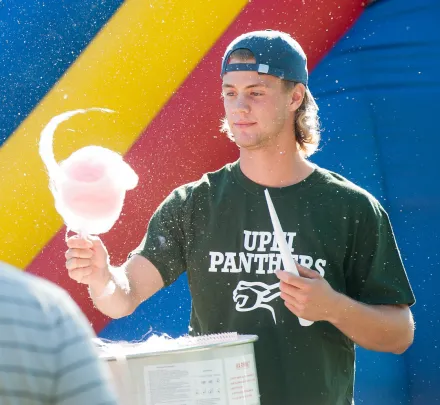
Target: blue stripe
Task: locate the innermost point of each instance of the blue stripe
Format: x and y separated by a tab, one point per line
39	40
44	399
378	92
30	347
81	390
26	371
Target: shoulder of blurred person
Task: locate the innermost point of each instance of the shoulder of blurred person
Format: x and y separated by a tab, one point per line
47	353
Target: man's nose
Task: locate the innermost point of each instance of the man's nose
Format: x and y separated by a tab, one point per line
241	104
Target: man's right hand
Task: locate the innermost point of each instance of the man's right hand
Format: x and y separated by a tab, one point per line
87	261
120	289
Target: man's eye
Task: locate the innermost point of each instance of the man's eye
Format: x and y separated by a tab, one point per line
256	93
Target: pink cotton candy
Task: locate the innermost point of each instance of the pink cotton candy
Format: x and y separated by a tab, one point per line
86	172
89	186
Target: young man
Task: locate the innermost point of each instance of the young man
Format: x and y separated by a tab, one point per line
218	229
46	350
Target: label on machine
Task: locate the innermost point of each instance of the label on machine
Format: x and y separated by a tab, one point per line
230	381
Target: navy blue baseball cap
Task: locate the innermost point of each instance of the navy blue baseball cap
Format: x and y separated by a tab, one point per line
276	53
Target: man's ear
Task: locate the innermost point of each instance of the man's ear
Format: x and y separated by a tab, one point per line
297	96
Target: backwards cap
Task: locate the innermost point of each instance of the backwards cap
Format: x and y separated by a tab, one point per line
276	53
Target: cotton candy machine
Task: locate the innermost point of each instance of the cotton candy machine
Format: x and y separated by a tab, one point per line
207	370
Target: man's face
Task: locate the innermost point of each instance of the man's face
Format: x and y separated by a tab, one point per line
257	108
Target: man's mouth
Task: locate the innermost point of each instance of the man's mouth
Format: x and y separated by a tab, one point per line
243	124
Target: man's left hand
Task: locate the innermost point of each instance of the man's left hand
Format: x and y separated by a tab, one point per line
309	296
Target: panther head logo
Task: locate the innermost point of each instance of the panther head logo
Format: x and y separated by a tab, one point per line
249	296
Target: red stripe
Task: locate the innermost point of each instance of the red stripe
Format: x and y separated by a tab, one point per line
183	141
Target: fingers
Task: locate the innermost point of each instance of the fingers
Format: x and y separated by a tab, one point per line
301	281
85	258
308	273
297	310
292	279
79	253
289	289
298	304
75	242
293	295
77	263
80	275
292	299
304	295
92	242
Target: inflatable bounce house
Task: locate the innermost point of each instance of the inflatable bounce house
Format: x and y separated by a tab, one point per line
374	73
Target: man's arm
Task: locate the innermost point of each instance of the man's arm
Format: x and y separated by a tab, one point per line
385	328
115	291
127	287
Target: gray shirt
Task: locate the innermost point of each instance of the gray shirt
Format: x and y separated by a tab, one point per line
46	352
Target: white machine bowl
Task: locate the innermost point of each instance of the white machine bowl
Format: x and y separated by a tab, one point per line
215	373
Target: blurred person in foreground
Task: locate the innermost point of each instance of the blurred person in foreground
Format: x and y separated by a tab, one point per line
47	356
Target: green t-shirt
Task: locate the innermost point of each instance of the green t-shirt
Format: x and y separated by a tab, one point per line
218	229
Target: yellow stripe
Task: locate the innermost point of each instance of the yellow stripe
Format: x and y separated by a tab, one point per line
133	66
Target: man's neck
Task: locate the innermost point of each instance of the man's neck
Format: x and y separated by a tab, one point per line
274	167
